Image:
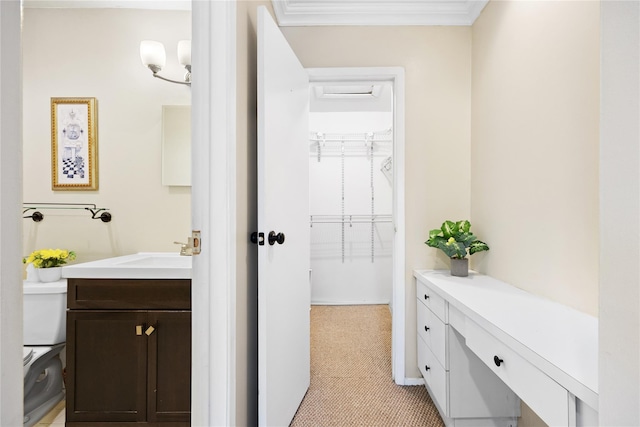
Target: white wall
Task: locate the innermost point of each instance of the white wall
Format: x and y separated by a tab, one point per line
353	278
95	53
619	364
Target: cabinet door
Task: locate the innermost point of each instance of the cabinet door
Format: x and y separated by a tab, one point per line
169	393
106	366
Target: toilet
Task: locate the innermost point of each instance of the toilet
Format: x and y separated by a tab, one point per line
44	337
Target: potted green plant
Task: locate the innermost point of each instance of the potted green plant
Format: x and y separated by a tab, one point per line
456	239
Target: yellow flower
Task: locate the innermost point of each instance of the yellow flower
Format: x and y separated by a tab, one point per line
46	258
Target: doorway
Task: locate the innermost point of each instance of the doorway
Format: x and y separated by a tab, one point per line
365	80
350	192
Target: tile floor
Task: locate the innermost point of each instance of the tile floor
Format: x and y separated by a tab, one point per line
55	417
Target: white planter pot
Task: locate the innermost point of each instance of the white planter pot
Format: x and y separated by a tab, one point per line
51	274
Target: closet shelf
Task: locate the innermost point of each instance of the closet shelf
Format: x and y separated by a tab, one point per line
362	137
37	216
350	143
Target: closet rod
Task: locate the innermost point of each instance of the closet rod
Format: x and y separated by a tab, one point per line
36	216
358	140
349	219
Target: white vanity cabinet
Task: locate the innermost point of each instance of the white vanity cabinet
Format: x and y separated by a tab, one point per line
481	342
465	391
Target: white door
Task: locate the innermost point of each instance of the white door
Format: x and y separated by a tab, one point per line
283	208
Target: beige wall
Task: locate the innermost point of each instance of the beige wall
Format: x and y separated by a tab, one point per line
534	149
95	53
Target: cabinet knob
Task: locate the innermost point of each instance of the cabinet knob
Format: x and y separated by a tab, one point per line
426	297
426	367
426	328
138	329
149	330
497	360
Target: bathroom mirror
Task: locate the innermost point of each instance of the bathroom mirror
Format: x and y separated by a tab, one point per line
176	145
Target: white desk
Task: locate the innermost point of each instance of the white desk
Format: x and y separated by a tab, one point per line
547	352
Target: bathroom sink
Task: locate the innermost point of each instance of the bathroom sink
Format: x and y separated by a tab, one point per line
143	265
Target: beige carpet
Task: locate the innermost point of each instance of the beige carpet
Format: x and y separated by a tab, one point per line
351	381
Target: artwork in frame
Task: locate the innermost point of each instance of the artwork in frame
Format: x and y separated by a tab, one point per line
74	144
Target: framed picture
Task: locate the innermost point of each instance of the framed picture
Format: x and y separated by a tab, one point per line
74	144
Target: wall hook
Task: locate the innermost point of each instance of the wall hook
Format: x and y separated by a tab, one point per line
104	216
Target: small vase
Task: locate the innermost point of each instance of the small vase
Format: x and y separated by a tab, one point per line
460	267
51	274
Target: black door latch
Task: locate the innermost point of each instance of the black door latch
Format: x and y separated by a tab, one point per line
257	238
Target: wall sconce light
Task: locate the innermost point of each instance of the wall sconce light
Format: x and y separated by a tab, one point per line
154	57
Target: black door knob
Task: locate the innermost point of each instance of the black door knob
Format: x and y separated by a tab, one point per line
497	360
426	297
426	367
273	238
426	328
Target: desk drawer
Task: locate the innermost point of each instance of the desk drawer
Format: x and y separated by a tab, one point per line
432	300
434	375
546	397
433	331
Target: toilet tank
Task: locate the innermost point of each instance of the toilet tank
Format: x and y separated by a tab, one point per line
45	309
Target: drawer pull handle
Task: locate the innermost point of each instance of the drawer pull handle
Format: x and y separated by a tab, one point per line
426	297
426	367
497	360
426	328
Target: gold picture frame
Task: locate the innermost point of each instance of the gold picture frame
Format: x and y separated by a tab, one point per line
74	144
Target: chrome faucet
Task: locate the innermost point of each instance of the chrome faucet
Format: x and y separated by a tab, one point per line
185	249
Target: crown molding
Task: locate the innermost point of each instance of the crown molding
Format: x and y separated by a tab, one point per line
377	12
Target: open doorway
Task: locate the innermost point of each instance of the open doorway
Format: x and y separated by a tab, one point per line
350	192
369	138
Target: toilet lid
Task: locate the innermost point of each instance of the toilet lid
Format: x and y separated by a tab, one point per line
27	355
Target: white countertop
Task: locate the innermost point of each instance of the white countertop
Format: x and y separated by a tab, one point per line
143	265
560	340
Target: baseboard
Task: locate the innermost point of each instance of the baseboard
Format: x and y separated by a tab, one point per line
350	303
414	381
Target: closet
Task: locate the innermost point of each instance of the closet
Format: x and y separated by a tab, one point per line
350	179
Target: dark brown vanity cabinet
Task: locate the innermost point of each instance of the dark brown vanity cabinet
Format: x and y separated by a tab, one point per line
128	352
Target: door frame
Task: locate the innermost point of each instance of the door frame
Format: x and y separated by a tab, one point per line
213	204
395	76
11	386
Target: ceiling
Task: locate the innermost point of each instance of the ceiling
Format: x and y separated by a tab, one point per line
319	12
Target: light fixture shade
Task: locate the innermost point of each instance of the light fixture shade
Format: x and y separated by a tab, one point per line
184	52
152	53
